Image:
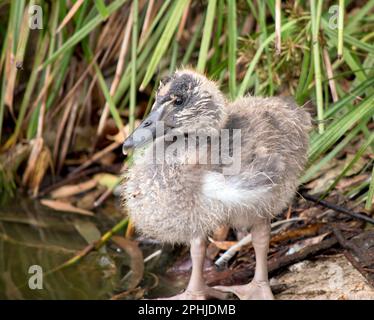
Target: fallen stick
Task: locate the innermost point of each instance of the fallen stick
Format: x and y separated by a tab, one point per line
286	260
223	260
338	208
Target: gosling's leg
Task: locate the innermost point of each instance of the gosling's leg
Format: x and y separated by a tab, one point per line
197	288
258	288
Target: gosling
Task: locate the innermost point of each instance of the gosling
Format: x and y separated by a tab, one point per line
178	194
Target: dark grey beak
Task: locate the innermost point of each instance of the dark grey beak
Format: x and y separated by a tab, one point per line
146	131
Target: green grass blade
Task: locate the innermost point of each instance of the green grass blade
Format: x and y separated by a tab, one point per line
143	58
103	86
348	39
317	166
214	61
207	35
358	16
164	42
357	156
321	143
264	35
232	22
340	28
303	76
370	195
133	88
2	104
315	16
162	13
32	82
83	32
174	56
191	45
102	9
253	8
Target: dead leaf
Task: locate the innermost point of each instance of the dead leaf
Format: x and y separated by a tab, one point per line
223	245
309	230
88	199
137	261
348	182
357	166
73	189
219	235
44	161
68	134
64	206
36	148
61	130
12	158
321	183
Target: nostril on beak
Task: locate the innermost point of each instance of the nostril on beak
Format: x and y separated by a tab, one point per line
147	123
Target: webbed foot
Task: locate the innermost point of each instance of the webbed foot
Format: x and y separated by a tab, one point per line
204	294
255	290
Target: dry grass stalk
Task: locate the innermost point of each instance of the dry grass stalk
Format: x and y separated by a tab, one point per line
330	75
278	42
119	70
70	15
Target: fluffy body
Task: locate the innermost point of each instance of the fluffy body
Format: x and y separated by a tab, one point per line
177	201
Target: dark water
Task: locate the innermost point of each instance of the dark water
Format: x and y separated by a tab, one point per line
32	234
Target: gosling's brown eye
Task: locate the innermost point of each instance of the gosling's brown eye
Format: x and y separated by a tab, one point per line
178	101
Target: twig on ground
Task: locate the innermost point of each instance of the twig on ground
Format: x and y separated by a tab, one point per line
338	208
223	260
286	260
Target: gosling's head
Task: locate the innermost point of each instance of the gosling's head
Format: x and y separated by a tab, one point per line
185	101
